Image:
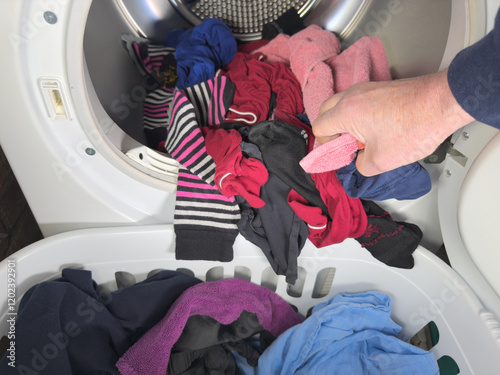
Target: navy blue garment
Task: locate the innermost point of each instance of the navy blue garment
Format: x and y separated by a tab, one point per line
474	78
303	117
172	38
65	327
407	182
202	51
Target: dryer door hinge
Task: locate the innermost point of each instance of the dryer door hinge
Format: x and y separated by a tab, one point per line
439	155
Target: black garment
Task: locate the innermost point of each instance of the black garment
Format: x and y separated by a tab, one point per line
65	327
283	146
275	228
391	242
288	23
205	345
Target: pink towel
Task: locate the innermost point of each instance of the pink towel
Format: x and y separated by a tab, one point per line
330	156
306	53
313	55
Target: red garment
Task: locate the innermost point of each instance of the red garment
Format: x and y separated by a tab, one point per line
255	80
348	218
252	46
235	174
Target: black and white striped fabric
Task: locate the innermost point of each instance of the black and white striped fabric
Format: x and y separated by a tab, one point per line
205	221
211	100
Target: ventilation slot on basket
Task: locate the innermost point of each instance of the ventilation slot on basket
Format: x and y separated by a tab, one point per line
185	271
124	279
269	279
297	289
427	337
154	272
242	272
214	274
447	366
324	281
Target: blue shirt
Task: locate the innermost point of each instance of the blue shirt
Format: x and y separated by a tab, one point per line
348	334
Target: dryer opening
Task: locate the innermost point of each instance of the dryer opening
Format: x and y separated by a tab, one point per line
416	36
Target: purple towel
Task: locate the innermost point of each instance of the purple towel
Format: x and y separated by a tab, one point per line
222	300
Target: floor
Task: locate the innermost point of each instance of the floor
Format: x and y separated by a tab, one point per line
18	227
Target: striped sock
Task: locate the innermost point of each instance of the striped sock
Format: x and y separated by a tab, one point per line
205	222
156	60
185	141
156	115
211	100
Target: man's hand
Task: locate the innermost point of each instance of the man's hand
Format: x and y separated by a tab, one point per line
399	121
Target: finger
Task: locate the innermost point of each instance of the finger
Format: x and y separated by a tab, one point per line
326	139
330	102
326	126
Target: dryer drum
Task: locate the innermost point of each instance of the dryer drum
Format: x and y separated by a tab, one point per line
244	17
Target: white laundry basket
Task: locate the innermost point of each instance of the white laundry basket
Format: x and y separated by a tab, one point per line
431	291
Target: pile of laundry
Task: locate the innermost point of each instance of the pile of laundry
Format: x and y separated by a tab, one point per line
237	118
172	323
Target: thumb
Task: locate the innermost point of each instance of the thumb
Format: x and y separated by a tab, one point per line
365	165
330	102
326	126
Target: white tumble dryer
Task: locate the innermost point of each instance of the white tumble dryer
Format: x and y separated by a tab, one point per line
72	99
72	131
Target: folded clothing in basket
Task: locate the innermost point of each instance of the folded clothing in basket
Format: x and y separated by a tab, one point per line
222	300
65	327
349	334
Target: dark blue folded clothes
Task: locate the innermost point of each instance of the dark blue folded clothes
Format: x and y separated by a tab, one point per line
203	50
65	327
407	182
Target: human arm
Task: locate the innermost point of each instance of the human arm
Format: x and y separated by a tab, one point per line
403	121
399	121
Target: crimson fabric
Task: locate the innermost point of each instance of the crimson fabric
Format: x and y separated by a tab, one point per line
252	46
255	80
235	174
348	218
